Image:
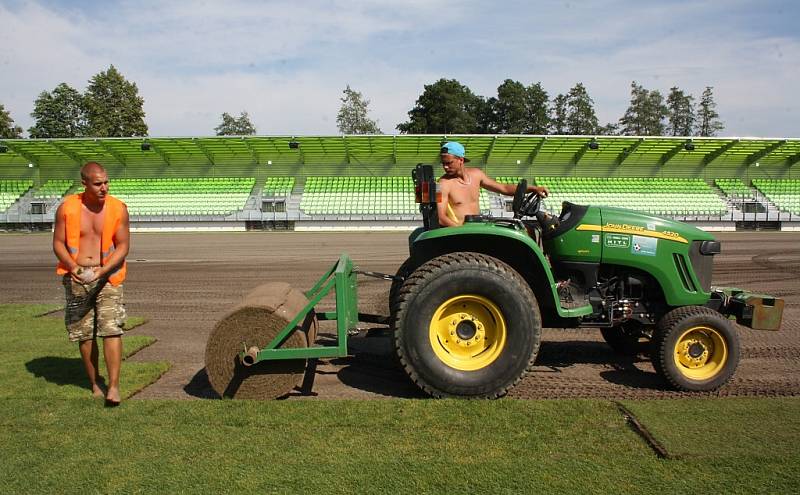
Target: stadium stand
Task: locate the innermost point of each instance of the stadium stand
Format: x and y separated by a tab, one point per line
358	196
278	186
733	188
53	189
660	196
12	190
784	193
715	182
364	196
184	196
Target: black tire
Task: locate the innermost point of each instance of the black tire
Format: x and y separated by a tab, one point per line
394	291
695	349
624	339
479	301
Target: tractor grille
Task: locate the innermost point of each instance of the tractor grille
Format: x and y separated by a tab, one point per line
703	264
683	272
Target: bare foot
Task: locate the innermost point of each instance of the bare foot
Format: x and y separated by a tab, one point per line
113	397
97	392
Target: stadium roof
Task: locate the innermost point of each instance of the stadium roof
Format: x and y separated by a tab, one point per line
402	149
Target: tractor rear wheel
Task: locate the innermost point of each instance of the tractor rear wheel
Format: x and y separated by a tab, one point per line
695	348
255	322
400	277
467	325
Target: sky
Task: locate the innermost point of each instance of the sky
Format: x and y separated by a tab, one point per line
286	63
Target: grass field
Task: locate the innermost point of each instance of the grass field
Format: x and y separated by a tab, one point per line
55	438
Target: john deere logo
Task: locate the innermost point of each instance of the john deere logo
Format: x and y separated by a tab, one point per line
617	240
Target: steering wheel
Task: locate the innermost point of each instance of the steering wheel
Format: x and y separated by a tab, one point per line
525	204
519	197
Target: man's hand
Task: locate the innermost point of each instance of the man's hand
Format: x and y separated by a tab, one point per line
84	275
541	191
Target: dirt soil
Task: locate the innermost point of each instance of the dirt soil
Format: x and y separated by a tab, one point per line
183	283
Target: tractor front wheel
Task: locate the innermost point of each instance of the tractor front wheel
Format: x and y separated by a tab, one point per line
467	325
696	349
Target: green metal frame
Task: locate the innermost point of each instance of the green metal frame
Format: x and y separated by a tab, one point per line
342	279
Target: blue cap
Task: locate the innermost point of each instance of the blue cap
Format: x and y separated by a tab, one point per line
454	148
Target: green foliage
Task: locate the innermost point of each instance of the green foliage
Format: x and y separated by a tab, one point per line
708	123
113	106
232	126
681	113
645	114
7	128
610	129
519	109
574	112
59	114
446	107
558	121
353	116
38	362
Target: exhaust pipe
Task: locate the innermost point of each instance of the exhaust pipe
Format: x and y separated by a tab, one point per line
250	356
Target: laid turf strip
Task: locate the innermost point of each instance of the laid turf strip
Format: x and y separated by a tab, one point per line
389	446
55	439
37	360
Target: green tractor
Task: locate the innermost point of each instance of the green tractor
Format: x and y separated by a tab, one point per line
468	305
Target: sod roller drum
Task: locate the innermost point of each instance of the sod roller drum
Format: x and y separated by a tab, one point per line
262	314
467	325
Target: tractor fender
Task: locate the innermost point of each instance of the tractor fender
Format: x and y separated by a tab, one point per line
510	245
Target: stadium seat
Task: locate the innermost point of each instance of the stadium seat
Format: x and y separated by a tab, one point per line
658	195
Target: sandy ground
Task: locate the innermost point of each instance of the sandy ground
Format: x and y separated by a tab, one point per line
184	282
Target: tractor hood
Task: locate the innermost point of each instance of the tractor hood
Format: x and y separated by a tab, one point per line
678	255
632	222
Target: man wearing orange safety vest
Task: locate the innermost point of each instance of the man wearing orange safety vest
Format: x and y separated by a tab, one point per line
91	239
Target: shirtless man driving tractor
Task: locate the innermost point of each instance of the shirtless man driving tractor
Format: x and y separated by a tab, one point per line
461	186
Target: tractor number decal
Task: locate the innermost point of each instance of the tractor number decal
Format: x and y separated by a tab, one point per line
624	228
645	246
617	240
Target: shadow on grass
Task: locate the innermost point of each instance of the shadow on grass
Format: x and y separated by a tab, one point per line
59	370
200	387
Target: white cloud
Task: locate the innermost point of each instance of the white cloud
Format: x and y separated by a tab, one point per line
286	63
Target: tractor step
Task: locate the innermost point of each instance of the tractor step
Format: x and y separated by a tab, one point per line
570	295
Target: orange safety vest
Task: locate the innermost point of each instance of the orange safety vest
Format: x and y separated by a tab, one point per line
71	213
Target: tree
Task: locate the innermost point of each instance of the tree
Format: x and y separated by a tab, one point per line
353	114
646	113
681	113
446	107
580	117
610	129
59	114
558	122
113	106
519	109
231	126
7	128
708	123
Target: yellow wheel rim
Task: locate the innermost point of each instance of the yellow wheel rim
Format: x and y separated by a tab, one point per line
468	332
701	353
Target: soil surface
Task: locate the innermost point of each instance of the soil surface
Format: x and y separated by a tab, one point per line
183	283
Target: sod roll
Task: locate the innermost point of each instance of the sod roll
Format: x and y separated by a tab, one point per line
255	321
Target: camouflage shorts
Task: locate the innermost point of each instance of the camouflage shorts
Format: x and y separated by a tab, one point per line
93	310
